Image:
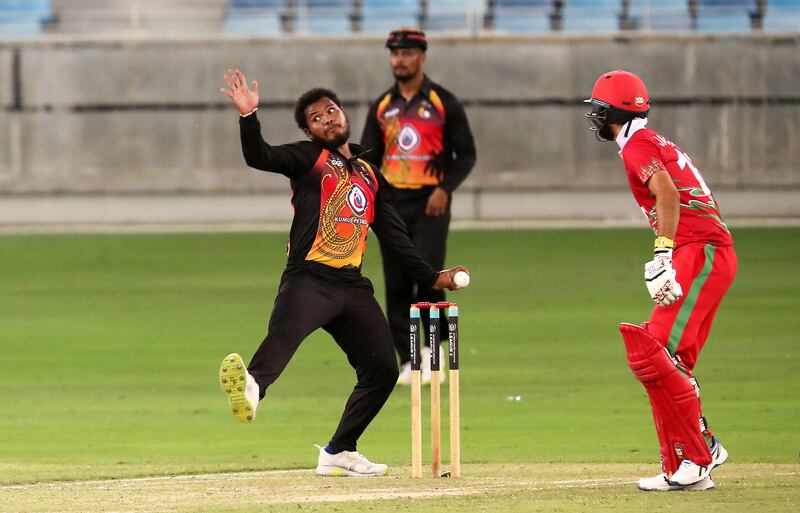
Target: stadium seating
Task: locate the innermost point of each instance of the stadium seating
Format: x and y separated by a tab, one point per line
521	15
782	15
254	17
325	16
454	15
661	14
275	17
23	17
725	15
140	17
510	16
591	15
381	16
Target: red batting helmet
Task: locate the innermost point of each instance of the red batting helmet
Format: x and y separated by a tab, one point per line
617	97
623	90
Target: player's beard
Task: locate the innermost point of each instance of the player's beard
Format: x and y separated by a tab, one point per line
604	133
404	73
403	76
337	140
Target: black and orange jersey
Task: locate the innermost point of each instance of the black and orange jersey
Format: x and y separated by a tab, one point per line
422	143
336	200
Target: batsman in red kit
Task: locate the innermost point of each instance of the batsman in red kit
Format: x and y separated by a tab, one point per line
692	267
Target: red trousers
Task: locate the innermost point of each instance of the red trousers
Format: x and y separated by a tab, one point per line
705	272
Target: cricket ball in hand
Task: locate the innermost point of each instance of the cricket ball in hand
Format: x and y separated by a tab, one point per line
461	279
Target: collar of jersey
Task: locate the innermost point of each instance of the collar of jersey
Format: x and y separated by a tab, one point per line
356	150
424	89
627	132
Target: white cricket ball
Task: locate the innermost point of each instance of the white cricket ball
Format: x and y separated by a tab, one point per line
461	279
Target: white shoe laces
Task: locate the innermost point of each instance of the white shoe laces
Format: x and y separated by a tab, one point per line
360	459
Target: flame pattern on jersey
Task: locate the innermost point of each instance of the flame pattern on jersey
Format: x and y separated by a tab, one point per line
342	231
336	245
646	153
708	208
413	140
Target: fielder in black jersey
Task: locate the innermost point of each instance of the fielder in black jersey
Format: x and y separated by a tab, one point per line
418	133
337	196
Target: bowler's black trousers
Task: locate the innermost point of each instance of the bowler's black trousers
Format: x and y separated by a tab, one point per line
429	235
348	311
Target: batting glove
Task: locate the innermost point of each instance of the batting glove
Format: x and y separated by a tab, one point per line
659	276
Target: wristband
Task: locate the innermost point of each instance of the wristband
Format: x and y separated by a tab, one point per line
254	111
663	247
664	243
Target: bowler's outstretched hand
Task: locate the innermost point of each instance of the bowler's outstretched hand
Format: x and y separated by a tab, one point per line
245	99
445	279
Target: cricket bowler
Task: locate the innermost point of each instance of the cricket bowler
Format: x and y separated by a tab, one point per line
337	197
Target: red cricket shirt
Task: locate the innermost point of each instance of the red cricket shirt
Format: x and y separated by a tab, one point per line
646	152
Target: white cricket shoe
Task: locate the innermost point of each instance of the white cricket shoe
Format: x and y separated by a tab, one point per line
660	483
425	375
347	464
689	472
240	386
404	378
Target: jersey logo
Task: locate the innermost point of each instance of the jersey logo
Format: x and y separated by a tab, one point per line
408	138
357	200
423	110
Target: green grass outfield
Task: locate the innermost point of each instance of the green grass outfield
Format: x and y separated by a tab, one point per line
111	346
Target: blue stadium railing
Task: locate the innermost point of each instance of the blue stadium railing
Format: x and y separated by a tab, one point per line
591	15
663	15
726	15
530	16
520	16
277	17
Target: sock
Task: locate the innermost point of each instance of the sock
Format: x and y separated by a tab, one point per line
330	450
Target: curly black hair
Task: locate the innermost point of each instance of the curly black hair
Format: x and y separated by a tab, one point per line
309	97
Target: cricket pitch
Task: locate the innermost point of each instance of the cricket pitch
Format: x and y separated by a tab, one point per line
489	487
